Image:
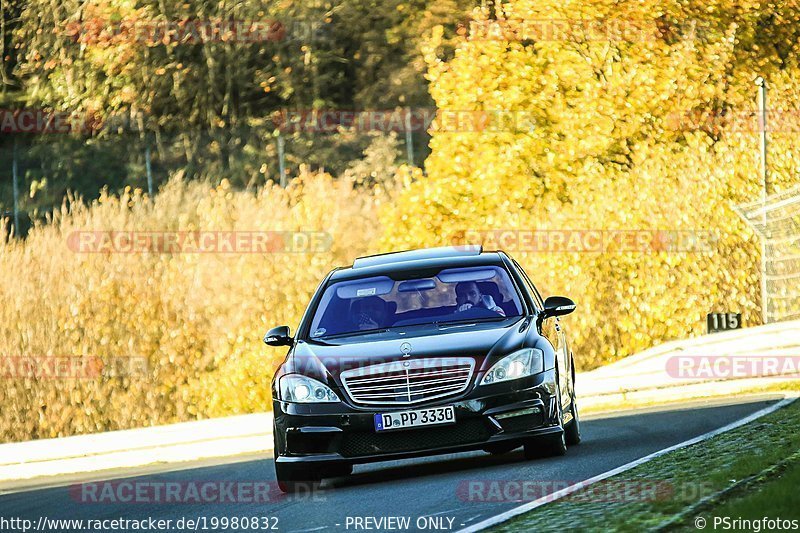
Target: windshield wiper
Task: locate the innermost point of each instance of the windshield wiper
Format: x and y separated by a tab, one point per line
437	323
353	333
469	320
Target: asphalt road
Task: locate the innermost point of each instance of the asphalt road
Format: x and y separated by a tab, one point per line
432	491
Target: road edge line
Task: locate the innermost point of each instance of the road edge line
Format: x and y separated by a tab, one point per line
516	511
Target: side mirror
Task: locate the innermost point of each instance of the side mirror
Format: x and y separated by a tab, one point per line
279	336
558	306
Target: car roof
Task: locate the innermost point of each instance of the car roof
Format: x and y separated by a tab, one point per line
415	255
414	260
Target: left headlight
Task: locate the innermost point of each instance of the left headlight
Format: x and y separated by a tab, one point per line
517	365
302	389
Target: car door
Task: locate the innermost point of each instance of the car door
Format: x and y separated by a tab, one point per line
552	329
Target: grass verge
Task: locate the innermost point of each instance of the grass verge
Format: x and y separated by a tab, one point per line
777	497
749	471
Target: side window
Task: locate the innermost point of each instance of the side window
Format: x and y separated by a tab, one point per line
531	287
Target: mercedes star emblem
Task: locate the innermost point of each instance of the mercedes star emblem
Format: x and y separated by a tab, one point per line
405	349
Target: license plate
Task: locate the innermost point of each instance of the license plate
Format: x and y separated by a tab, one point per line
435	416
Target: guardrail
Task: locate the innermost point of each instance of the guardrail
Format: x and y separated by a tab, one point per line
646	377
175	443
642	376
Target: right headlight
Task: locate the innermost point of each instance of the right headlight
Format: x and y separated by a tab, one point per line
519	364
302	389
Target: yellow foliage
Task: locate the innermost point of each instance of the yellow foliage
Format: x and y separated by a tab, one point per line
604	145
642	133
197	318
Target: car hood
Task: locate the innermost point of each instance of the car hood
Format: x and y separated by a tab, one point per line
483	342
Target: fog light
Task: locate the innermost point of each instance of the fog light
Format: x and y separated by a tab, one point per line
531	411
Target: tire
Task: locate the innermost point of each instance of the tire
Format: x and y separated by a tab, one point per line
548	446
296	478
572	432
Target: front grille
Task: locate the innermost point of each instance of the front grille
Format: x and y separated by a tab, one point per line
365	443
408	382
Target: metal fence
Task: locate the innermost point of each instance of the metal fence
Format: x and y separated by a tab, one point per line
776	219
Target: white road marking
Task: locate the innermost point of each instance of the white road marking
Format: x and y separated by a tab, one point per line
440	512
468	520
503	517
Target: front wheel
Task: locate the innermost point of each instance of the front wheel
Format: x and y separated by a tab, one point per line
573	429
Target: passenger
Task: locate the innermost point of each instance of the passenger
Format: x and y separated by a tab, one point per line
468	295
370	313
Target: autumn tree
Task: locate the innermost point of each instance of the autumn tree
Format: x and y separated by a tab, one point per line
626	116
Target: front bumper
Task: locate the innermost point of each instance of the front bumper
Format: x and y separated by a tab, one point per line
342	433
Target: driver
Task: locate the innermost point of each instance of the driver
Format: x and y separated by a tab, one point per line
370	313
468	295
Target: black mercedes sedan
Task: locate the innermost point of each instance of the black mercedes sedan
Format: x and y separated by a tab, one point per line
422	352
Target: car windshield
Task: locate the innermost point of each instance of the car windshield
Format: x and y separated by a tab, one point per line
380	302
